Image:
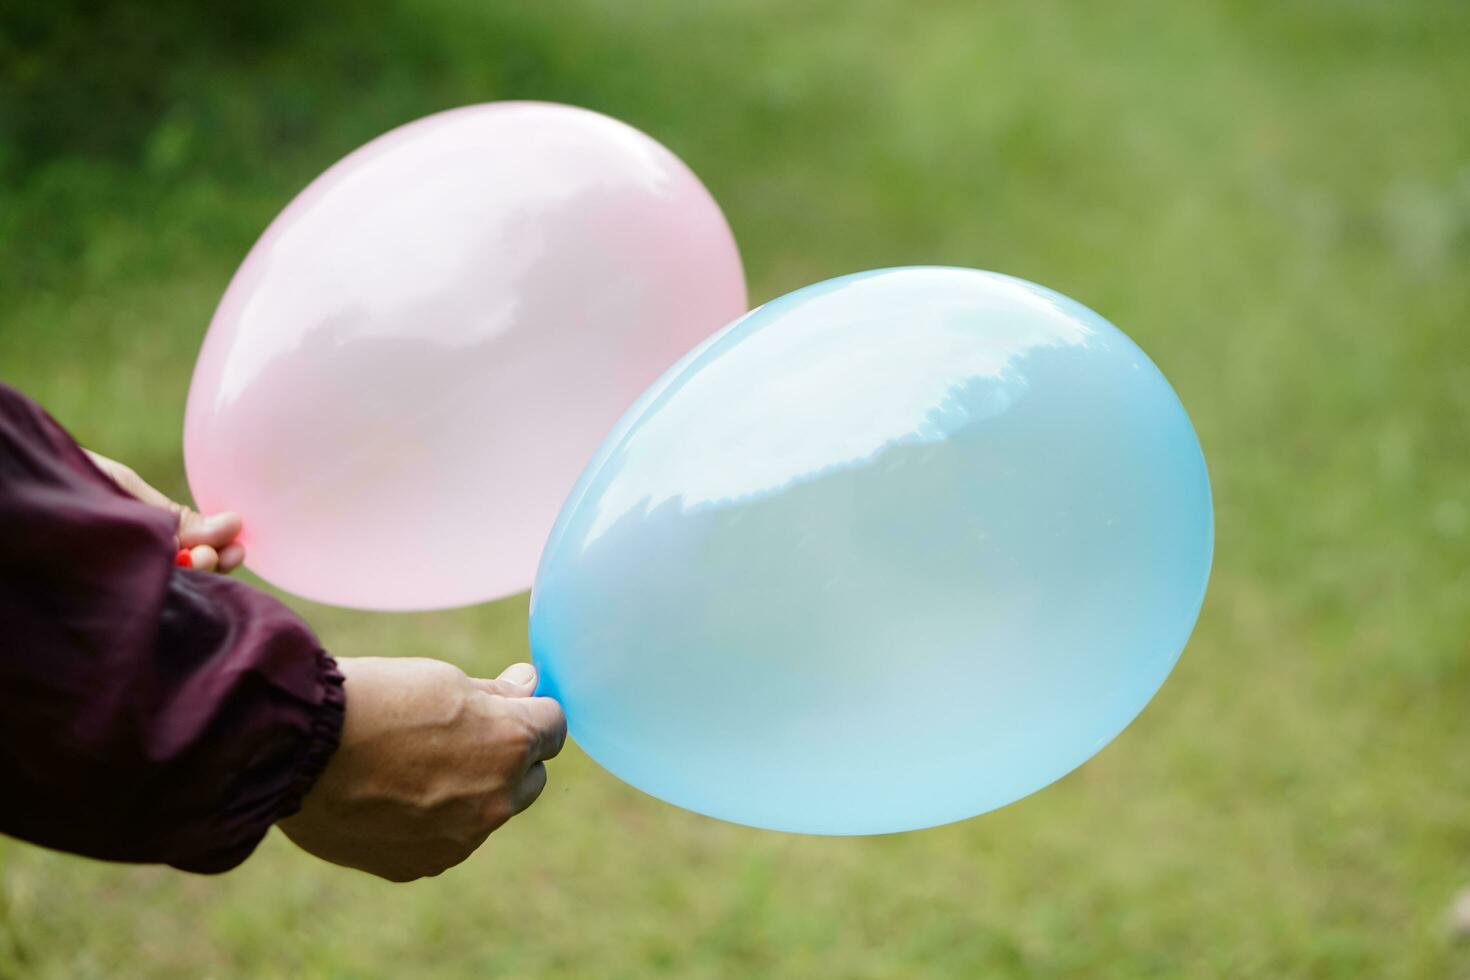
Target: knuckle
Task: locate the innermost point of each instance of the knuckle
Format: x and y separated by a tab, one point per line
437	675
497	810
523	738
554	731
441	670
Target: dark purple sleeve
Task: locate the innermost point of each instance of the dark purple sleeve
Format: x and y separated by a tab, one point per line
147	713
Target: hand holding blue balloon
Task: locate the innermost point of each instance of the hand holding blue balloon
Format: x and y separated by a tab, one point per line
927	528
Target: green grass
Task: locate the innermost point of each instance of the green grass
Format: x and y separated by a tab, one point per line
1272	198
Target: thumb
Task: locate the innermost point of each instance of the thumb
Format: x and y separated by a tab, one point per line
515	681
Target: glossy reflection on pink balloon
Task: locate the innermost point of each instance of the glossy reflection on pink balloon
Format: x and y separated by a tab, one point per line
421	352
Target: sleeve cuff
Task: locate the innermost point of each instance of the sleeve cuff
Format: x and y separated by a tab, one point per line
321	742
311	757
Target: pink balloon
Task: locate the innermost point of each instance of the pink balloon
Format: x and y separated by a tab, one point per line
415	361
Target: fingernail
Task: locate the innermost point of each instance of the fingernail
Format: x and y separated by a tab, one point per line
215	522
183	559
519	674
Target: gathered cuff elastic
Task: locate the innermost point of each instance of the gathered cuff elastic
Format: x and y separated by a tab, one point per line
326	733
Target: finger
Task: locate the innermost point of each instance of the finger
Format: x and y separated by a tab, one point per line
130	482
203	558
231	558
515	681
530	787
134	485
548	724
216	530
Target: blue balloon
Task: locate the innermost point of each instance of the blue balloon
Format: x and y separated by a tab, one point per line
890	551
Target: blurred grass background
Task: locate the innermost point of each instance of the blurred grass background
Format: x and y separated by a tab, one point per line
1272	198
